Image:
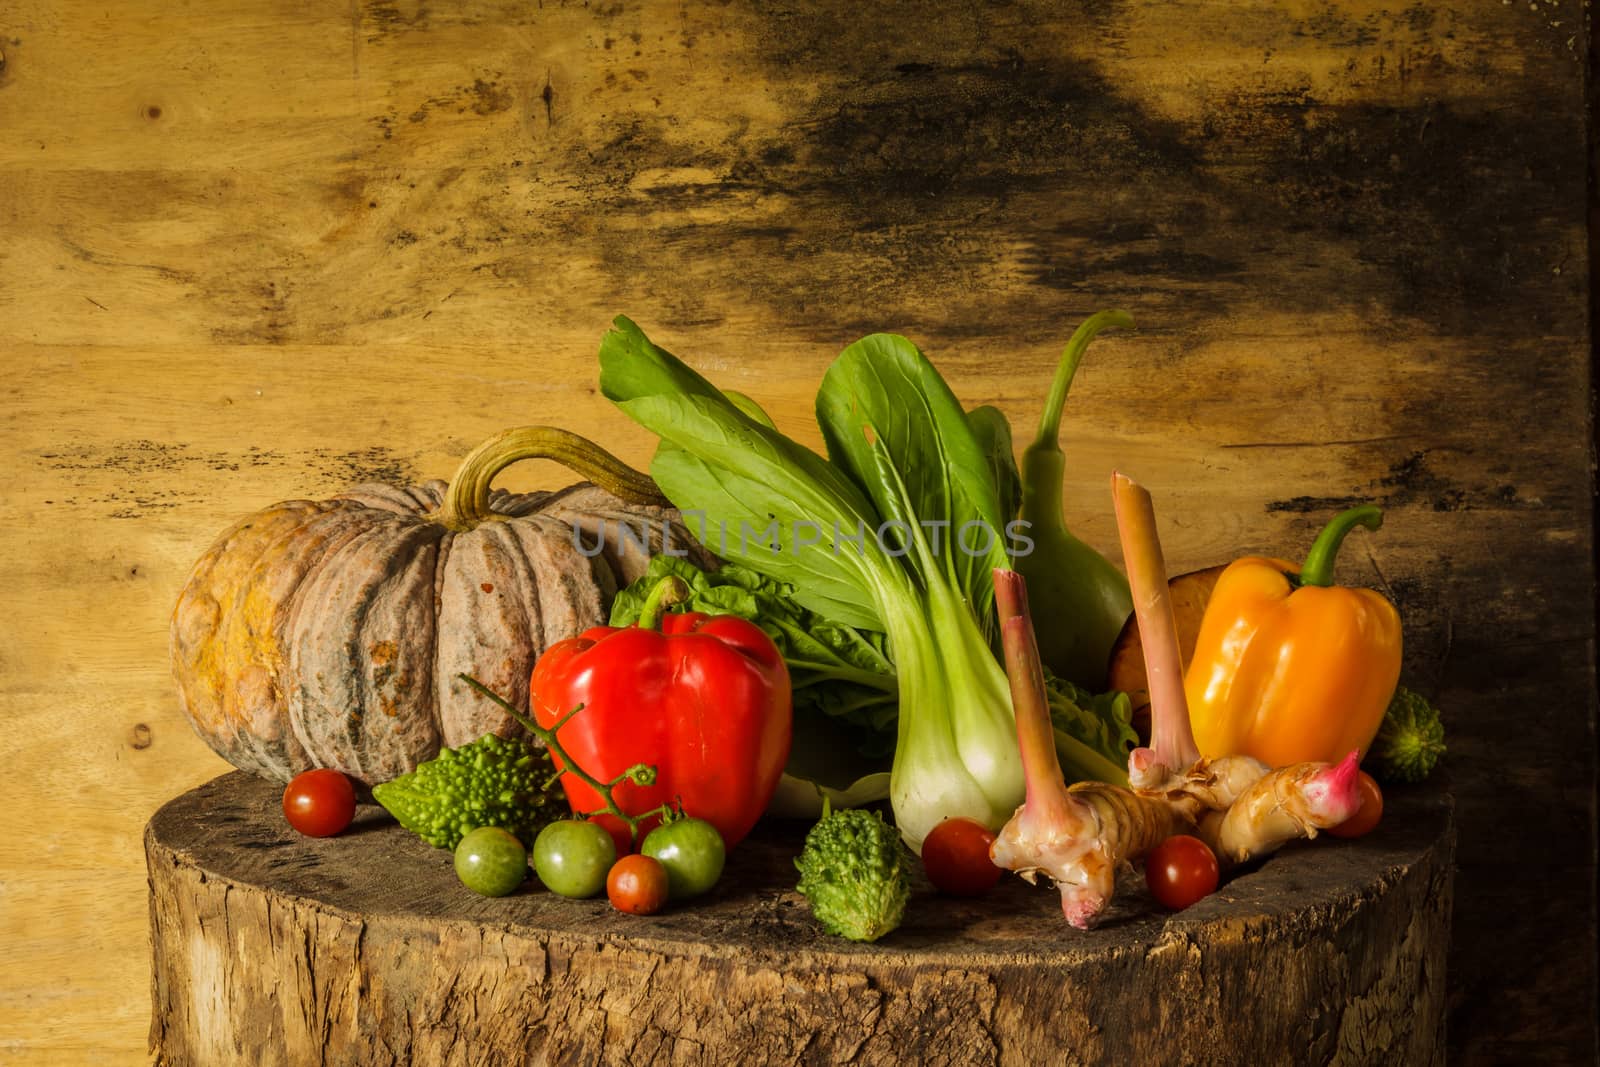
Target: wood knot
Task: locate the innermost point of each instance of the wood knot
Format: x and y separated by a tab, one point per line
152	111
142	737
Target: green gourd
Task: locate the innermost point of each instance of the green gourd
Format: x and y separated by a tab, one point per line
1087	597
490	782
855	873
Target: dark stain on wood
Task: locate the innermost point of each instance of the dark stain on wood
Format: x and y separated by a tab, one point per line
397	16
1017	146
1412	481
1439	200
373	464
158	473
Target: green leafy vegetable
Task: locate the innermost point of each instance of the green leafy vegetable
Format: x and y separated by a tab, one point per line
896	533
754	492
855	873
1411	739
857	556
1094	732
993	432
490	782
892	422
835	670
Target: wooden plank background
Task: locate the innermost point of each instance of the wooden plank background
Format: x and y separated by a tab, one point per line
252	250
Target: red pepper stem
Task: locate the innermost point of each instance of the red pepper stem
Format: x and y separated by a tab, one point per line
1318	569
668	591
1050	420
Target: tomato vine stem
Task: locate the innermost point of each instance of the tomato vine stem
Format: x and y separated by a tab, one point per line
642	774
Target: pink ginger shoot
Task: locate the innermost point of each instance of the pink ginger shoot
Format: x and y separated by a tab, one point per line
1080	836
1289	803
1172	747
1054	832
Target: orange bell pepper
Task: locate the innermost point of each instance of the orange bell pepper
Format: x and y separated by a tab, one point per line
1288	667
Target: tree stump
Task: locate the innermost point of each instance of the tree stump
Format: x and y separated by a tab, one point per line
271	948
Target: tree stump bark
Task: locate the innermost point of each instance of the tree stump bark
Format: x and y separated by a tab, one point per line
271	948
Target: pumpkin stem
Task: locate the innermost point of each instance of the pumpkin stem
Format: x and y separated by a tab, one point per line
466	501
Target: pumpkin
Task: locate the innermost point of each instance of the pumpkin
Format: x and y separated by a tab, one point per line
332	633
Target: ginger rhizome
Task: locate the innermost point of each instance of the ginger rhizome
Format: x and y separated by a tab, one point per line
1081	836
1077	837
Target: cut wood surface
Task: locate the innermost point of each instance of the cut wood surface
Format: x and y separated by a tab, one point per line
252	251
272	948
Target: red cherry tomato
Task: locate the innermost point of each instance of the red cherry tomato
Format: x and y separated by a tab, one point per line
1180	871
1367	815
637	885
319	803
956	856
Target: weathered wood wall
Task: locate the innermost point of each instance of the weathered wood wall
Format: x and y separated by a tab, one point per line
252	250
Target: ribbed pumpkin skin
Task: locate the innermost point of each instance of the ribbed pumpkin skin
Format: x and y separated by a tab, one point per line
332	633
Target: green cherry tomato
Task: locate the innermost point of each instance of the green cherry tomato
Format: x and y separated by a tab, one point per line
491	861
571	857
692	852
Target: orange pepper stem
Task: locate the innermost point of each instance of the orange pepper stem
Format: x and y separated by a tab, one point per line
1318	569
667	592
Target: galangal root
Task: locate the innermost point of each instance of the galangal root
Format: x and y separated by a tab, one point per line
1079	837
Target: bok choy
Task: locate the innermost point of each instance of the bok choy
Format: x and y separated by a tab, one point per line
897	531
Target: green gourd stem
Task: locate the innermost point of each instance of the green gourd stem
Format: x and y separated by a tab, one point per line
1050	419
1318	569
466	500
639	774
666	593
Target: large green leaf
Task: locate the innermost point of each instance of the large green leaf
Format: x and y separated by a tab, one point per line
632	365
891	421
750	493
989	425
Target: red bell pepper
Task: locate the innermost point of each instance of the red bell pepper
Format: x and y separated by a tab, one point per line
704	699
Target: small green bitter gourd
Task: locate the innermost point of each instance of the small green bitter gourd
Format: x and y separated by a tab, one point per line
489	782
855	872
